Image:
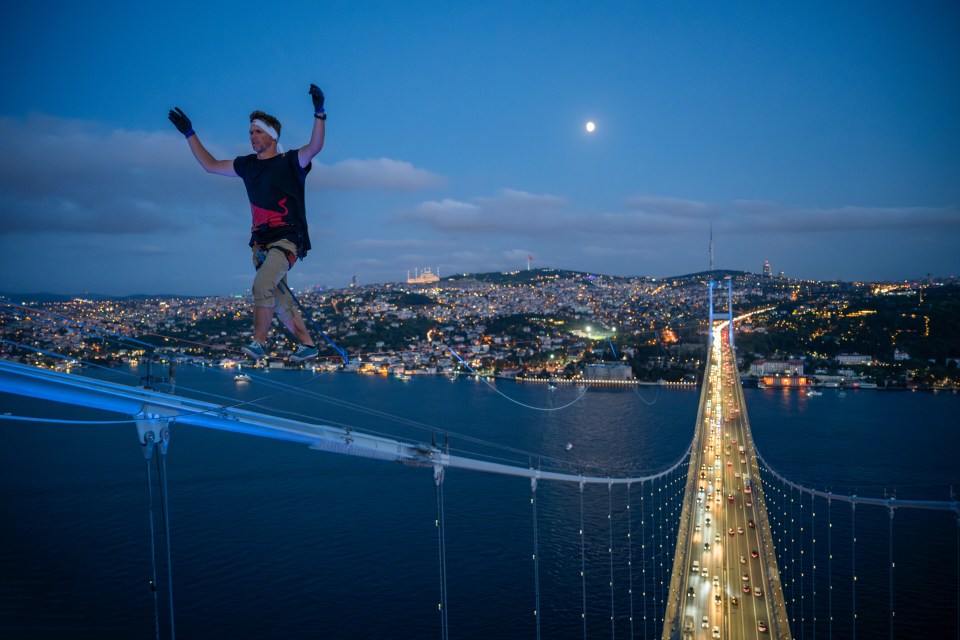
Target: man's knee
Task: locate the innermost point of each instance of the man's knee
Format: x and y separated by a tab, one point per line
264	292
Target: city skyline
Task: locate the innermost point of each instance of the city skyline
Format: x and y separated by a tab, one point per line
820	138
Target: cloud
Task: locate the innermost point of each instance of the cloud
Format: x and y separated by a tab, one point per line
379	173
767	217
508	212
667	206
652	231
73	176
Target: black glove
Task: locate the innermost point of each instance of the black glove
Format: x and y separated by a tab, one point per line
181	121
317	96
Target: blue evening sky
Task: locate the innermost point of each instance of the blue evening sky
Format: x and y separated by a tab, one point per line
821	135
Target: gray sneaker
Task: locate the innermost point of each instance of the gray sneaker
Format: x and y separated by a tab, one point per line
304	353
254	350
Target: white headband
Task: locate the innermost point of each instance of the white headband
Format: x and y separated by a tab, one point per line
270	131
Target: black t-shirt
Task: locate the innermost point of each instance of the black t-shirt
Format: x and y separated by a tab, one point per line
277	205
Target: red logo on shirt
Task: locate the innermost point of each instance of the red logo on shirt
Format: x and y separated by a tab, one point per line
267	217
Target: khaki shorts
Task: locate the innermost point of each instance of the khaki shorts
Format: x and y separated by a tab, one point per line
270	284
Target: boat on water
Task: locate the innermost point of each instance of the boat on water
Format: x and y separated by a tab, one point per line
568	446
401	376
814	392
241	377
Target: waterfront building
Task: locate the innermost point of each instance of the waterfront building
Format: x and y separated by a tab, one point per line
776	367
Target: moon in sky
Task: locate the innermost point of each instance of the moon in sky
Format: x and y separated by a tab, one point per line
591	127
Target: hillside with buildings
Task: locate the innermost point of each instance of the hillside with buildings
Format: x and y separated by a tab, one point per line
539	323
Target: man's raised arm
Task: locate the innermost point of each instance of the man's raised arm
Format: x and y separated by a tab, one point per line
207	161
306	153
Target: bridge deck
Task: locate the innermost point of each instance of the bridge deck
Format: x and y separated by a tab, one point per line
725	581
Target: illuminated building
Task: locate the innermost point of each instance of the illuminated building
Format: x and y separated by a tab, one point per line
424	277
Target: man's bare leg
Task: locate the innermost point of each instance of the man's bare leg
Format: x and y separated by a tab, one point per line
298	327
261	323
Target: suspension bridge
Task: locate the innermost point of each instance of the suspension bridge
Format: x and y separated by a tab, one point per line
745	562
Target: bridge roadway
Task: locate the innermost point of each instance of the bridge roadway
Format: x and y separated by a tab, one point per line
725	581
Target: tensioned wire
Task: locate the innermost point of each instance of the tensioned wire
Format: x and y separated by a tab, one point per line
297	389
232	404
486	382
110	336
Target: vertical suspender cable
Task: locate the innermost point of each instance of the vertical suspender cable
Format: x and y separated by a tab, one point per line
793	563
813	558
536	556
781	548
630	558
153	555
583	570
658	567
643	554
893	613
803	573
613	625
165	512
441	551
853	564
830	567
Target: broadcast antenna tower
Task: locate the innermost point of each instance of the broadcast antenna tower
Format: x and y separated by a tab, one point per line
711	246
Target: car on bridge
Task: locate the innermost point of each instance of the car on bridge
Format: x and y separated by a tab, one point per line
754	554
761	626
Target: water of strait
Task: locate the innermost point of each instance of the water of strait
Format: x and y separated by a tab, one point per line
273	540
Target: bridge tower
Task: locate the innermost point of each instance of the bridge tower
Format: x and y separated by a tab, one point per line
727	315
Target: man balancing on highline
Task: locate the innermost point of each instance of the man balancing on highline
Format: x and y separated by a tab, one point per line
274	179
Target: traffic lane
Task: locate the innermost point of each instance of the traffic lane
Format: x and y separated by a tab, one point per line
739	515
758	578
749	613
696	597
